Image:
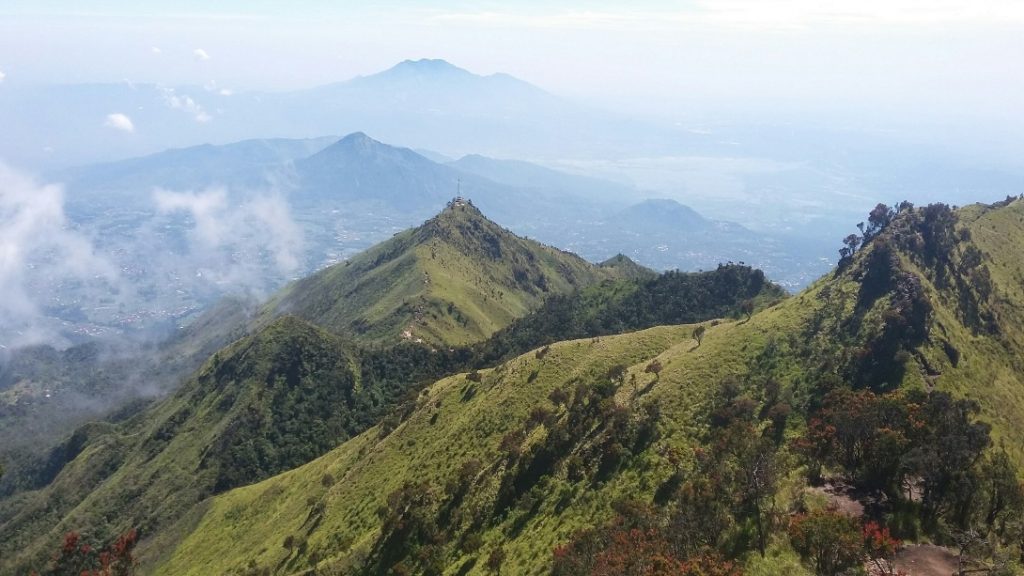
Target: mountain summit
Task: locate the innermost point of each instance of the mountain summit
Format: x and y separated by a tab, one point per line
456	279
425	67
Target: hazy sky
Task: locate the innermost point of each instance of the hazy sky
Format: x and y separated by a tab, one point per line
935	58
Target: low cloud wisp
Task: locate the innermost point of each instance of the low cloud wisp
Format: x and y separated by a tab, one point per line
119	121
40	249
231	245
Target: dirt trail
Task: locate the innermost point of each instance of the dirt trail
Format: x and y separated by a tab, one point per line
839	497
926	560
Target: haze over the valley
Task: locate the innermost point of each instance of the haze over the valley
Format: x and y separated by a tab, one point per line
778	124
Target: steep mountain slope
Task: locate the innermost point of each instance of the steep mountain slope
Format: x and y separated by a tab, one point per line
359	174
497	468
338	200
266	403
643	300
289	392
45	393
455	279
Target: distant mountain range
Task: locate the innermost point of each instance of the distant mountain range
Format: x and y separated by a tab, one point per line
424	103
349	193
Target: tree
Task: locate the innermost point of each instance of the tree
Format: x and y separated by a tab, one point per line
850	243
1002	495
880	548
78	558
947	442
971	258
637	552
748	472
496	560
558	397
831	541
698	334
617	374
747	308
409	530
878	219
655	368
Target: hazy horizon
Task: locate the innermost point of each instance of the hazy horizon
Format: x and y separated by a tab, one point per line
790	118
941	62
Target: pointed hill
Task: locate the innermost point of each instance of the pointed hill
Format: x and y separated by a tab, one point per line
627	268
456	279
503	466
357	168
661	214
441	88
359	174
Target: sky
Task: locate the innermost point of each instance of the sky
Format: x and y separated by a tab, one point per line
937	60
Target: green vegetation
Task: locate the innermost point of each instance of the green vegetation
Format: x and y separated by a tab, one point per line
456	279
693	448
290	392
644	301
46	394
513	462
624	267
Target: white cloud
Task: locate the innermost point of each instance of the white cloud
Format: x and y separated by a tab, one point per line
283	237
185	103
156	50
234	245
39	252
2	75
206	209
225	92
120	122
200	55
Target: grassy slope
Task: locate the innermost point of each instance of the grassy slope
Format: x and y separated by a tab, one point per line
251	523
991	369
151	471
147	471
87	382
456	279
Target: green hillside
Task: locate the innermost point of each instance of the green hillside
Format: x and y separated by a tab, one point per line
495	469
265	404
456	279
290	392
45	394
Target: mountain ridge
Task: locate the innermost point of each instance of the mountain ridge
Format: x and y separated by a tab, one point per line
893	319
288	391
455	279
